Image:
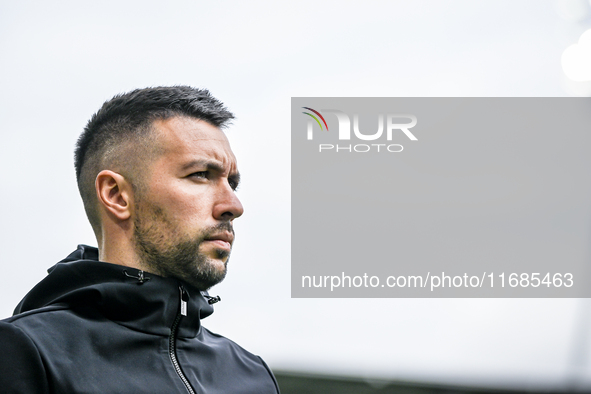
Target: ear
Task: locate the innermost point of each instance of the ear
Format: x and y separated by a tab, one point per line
114	194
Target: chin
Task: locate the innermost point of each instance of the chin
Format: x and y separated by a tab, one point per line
218	265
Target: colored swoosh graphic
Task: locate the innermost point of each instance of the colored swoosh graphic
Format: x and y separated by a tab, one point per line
315	118
321	117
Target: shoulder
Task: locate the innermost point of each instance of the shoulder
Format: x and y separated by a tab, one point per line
45	322
62	334
21	366
230	353
229	346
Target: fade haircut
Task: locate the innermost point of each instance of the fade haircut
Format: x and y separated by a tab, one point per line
119	136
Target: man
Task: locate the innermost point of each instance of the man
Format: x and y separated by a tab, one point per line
157	178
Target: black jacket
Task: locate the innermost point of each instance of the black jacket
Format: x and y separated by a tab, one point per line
94	327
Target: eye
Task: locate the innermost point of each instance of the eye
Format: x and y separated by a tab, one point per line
234	181
233	184
199	174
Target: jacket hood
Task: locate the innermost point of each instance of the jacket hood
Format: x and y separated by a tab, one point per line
130	297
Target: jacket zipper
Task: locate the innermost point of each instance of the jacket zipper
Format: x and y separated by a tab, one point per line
172	340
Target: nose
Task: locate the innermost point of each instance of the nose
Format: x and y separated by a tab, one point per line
228	207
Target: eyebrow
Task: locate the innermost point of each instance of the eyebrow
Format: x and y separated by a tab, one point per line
212	166
208	164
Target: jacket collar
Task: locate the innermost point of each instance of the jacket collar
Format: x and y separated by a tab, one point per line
138	300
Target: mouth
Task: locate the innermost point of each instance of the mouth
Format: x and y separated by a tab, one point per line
221	240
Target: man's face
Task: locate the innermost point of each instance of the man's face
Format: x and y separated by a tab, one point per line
184	210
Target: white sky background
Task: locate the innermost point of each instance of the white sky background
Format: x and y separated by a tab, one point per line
60	60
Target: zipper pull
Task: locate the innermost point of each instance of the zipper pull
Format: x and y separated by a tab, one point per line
184	299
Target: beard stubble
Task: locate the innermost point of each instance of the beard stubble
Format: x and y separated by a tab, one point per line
165	251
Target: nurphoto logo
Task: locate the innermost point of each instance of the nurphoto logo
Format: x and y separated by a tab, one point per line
395	123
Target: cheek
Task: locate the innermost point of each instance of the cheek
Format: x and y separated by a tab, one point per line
187	207
184	201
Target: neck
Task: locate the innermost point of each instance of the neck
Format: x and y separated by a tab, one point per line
120	251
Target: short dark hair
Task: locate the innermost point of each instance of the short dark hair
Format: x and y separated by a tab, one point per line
119	133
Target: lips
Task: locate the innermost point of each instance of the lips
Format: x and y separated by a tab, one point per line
223	240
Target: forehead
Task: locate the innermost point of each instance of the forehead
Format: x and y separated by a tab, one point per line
183	139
